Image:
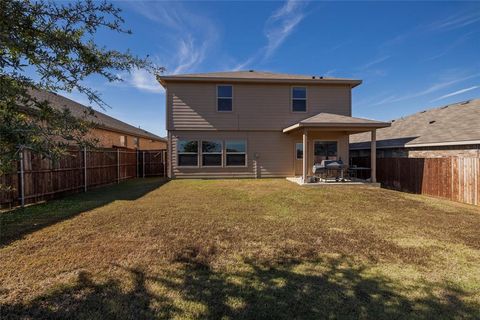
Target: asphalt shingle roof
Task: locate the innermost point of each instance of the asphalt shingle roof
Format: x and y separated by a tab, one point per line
59	102
257	76
450	123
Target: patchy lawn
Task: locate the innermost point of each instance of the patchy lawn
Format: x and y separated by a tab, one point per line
241	249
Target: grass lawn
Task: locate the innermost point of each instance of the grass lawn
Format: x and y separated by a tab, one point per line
228	249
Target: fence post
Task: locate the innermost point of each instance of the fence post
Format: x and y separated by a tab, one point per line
118	165
85	168
22	179
144	164
164	156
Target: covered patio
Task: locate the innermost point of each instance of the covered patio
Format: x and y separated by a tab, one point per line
325	137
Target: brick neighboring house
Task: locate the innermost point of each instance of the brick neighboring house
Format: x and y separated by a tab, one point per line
449	131
110	132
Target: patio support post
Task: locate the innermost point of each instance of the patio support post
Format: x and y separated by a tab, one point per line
305	156
373	157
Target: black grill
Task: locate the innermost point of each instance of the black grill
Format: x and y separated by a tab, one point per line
329	169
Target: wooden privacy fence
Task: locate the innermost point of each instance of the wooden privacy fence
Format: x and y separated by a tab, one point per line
38	179
456	179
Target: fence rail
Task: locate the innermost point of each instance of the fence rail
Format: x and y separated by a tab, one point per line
456	179
36	179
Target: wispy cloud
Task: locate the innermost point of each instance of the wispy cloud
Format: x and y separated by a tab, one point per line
430	89
451	46
281	23
456	21
456	93
189	35
374	62
144	80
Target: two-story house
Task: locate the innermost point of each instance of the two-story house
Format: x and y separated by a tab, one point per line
258	124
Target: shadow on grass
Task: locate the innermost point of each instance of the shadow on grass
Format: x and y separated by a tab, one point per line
16	223
321	289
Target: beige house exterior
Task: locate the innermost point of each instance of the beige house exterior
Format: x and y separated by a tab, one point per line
250	124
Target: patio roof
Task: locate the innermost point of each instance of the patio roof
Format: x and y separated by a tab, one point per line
330	120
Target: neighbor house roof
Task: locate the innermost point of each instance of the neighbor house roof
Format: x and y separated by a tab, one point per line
330	120
454	124
100	119
257	76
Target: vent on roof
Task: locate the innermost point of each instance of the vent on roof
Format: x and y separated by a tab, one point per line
320	77
423	111
432	122
444	107
465	102
392	121
251	70
313	77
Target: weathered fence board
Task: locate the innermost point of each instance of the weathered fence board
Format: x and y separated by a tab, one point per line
45	179
457	179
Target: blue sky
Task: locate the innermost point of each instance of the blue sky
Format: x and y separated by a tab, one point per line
410	55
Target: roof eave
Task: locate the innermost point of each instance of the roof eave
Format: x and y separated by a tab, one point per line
337	126
163	80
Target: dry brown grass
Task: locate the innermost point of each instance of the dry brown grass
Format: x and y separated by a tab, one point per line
242	249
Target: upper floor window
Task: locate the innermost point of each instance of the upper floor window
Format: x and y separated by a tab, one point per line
299	99
224	98
136	142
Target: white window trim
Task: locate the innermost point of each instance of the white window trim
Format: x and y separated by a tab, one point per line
217	97
245	153
197	153
295	147
220	153
291	99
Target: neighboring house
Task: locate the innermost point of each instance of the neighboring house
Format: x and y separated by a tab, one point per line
109	131
448	131
258	124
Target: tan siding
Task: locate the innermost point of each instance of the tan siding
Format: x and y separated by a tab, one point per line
275	153
255	106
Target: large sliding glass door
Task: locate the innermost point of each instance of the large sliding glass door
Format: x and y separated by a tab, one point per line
325	150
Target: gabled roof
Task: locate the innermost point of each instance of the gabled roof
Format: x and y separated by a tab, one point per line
453	124
257	76
330	120
100	119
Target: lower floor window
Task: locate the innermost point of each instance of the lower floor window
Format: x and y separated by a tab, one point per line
187	153
236	153
299	150
211	153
